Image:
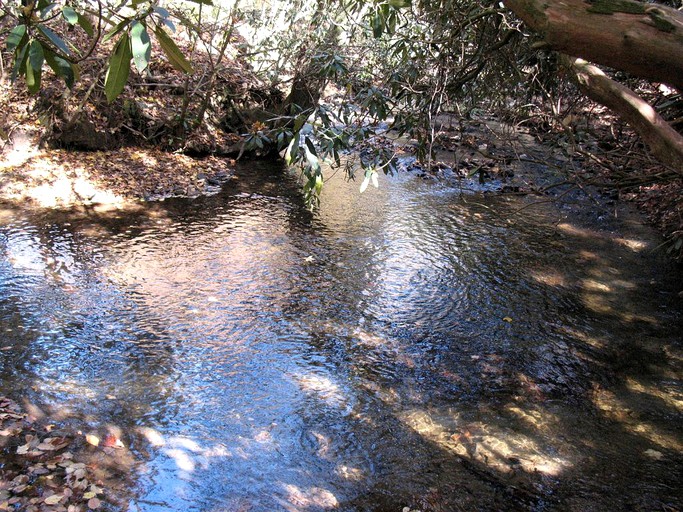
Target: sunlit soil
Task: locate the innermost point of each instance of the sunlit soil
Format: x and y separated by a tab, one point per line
61	178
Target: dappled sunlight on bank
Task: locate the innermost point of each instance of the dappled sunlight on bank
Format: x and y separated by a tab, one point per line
111	179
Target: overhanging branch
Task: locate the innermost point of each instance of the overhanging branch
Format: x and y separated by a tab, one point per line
665	143
645	40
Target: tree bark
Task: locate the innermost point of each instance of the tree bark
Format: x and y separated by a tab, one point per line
665	143
642	39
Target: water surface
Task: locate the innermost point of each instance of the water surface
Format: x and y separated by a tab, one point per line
410	346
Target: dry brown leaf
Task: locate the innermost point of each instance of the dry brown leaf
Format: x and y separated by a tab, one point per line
113	441
94	503
53	500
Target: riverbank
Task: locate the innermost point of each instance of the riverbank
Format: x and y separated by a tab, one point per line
483	155
62	178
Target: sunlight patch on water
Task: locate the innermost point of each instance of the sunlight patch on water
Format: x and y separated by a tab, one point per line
539	419
670	398
187	454
579	335
350	473
549	277
299	499
492	446
616	410
322	387
154	437
634	245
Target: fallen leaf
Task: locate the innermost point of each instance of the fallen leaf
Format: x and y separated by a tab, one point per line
53	500
92	439
94	503
654	454
20	479
507	319
112	441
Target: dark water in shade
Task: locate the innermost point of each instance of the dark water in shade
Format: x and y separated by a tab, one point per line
407	347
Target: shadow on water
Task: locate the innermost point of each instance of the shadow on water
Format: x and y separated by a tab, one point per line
412	347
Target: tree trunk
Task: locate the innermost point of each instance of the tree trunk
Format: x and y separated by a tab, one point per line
665	143
643	39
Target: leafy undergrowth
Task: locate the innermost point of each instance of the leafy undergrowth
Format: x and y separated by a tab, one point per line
46	468
161	107
134	148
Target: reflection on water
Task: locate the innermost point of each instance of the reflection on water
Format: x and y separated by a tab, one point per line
407	347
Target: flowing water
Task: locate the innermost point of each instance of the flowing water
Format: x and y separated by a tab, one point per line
408	347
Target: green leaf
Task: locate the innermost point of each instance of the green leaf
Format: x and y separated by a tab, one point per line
311	157
292	150
119	68
140	45
311	147
366	182
55	39
19	67
61	67
205	2
32	77
398	4
173	53
319	183
299	122
85	24
44	11
161	12
35	55
392	23
377	25
118	28
15	37
70	15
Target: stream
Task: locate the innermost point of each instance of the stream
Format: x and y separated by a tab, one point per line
411	346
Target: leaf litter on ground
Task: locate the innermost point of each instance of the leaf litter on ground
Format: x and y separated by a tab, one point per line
48	470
